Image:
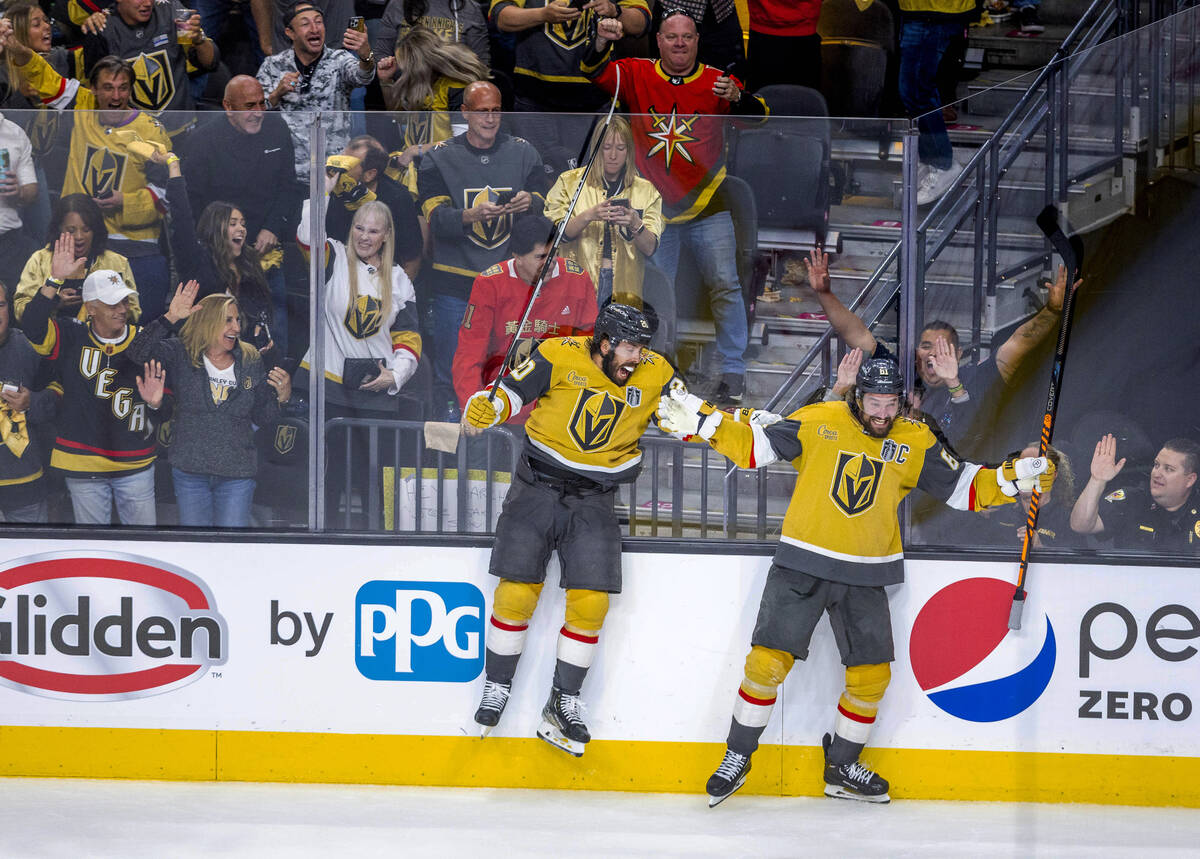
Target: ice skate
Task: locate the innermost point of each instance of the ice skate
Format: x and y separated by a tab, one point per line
853	780
730	776
562	723
491	706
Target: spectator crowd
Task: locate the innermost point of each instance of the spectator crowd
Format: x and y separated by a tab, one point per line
156	179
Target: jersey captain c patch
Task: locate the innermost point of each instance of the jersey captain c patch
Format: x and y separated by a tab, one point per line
594	419
855	482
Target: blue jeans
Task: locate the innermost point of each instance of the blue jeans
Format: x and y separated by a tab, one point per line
206	500
921	47
38	512
714	247
93	498
448	313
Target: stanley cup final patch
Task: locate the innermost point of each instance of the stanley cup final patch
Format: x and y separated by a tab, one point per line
633	397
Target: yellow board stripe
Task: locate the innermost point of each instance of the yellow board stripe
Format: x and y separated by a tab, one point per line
608	765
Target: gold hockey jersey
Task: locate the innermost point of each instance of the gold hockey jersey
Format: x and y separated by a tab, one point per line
585	421
841	523
100	163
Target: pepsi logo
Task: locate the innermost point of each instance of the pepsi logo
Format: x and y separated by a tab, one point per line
105	626
969	663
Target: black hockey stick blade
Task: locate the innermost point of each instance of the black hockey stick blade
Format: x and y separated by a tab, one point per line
1069	247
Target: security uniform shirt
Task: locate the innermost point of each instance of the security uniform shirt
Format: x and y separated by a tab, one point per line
454	176
1135	521
841	524
585	423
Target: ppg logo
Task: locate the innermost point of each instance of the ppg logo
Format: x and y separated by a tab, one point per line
430	631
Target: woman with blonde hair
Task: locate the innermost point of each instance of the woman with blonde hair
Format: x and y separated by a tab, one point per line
617	221
222	390
434	73
372	345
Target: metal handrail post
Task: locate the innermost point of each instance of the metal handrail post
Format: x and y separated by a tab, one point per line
316	325
1064	130
912	265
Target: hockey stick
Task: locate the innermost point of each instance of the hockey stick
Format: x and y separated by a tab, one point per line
1070	249
558	237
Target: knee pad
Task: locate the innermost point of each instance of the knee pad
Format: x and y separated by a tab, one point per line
515	601
586	609
868	682
766	667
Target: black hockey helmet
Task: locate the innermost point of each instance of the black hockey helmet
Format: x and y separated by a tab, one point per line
620	322
879	376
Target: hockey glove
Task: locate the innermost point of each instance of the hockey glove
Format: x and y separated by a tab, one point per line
684	415
1022	475
756	417
352	193
483	413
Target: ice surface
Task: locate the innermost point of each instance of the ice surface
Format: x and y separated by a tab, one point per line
77	818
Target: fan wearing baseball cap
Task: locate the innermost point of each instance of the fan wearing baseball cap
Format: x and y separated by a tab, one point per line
105	446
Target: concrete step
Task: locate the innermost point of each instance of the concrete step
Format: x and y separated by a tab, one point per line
1005	47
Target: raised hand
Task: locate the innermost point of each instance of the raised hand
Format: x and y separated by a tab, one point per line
609	30
182	302
817	269
1105	465
278	379
151	383
1058	290
943	361
63	262
847	373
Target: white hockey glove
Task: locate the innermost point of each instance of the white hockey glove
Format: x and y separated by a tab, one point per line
756	417
1022	475
483	413
684	415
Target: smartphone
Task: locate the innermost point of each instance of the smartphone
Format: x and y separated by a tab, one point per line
623	202
503	198
357	22
5	160
9	388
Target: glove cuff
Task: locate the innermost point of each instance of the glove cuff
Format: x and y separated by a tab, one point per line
709	423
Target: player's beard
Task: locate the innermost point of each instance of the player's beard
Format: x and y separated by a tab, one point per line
874	431
609	365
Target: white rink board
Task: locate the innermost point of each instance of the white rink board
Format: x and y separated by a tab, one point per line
670	659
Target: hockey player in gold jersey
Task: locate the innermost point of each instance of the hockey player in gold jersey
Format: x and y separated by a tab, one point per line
855	460
595	397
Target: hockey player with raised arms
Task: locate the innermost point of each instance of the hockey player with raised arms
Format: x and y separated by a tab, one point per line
855	460
595	397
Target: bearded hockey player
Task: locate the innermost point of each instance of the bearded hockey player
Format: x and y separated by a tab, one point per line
855	460
595	397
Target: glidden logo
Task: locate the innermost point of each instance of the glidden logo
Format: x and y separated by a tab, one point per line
105	626
961	651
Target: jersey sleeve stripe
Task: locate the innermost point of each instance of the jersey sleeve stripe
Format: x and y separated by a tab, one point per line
963	496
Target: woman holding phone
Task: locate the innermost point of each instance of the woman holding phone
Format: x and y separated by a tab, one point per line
617	220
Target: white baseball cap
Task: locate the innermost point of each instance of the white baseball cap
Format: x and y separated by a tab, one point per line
106	286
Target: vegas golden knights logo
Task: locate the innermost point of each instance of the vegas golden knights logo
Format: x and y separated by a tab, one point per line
102	171
522	352
594	419
153	85
418	128
165	433
285	438
363	317
570	34
492	233
855	482
43	131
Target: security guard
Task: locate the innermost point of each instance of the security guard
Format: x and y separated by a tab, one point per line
1165	518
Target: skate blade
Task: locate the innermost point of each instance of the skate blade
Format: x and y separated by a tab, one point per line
714	801
837	792
554	737
484	730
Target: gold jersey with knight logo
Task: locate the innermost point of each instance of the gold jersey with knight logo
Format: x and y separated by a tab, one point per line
584	421
841	523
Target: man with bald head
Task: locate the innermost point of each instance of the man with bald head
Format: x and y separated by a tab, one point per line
469	188
244	156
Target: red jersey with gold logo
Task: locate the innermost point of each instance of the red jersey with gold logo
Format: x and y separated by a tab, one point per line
566	306
680	141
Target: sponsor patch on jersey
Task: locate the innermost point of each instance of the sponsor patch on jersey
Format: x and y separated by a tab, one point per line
1119	495
576	379
594	419
633	397
827	433
855	482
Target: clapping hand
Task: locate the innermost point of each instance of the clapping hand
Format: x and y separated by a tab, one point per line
151	383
